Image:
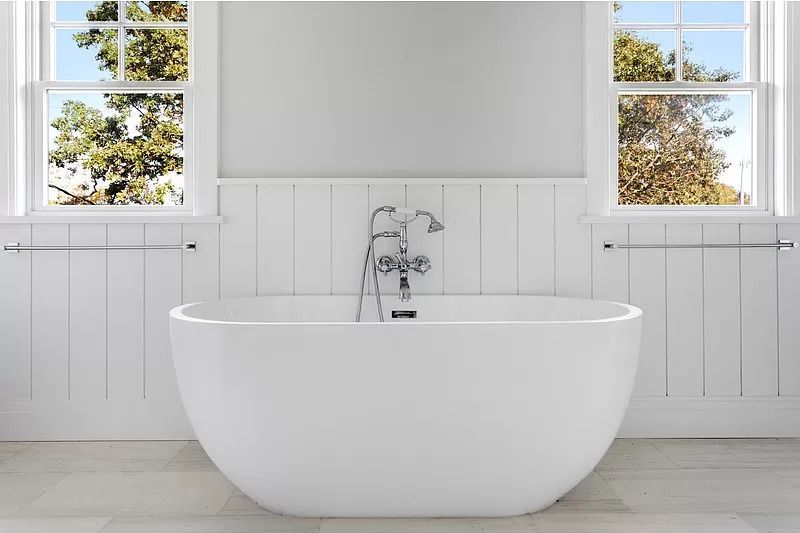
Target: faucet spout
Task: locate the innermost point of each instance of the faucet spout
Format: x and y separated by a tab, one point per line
405	289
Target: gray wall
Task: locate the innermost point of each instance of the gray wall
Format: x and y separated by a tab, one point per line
401	89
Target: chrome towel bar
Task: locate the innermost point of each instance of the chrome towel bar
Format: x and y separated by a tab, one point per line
780	245
14	247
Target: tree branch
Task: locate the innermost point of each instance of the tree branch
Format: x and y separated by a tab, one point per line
56	187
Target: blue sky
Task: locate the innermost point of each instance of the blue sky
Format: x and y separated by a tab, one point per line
715	49
73	11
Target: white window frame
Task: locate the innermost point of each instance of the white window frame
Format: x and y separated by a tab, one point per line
24	183
38	186
600	128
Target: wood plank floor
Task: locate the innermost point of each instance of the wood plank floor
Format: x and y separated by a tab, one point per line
641	486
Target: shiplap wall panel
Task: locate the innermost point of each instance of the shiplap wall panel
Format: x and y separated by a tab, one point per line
162	292
238	240
462	239
499	239
536	238
722	330
87	311
50	313
381	195
420	242
275	239
312	250
201	267
610	269
759	312
684	311
349	219
789	313
125	308
648	292
573	244
15	315
684	293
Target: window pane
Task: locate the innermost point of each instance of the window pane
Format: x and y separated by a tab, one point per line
115	149
642	12
685	149
157	11
644	55
83	11
157	55
720	12
713	55
86	55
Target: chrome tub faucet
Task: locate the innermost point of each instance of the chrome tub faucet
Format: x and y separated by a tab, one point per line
400	261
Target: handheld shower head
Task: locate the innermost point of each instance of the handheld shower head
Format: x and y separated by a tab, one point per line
435	225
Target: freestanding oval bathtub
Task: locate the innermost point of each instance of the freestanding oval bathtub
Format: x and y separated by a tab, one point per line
479	406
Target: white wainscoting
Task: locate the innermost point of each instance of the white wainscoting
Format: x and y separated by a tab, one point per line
85	340
85	348
310	238
720	349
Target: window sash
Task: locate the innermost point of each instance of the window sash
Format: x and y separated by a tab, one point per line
758	121
39	187
45	27
751	25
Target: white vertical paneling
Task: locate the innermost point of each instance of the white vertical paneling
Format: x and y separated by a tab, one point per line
201	267
789	313
125	309
87	312
536	227
609	268
573	243
499	239
276	239
50	313
380	195
684	311
312	236
759	312
349	206
462	239
15	315
238	242
162	292
721	330
648	292
420	242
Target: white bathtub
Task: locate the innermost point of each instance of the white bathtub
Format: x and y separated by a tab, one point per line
481	406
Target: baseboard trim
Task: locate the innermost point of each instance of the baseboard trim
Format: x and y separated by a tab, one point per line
45	420
712	417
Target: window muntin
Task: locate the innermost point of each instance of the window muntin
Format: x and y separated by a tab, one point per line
114	106
687	128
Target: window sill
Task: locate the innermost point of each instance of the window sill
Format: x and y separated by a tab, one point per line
719	218
117	218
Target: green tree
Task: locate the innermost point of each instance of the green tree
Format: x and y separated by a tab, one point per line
128	149
667	143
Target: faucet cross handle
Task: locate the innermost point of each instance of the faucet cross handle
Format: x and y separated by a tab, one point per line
421	264
386	264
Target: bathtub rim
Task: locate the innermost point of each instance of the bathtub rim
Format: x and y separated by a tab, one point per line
631	312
